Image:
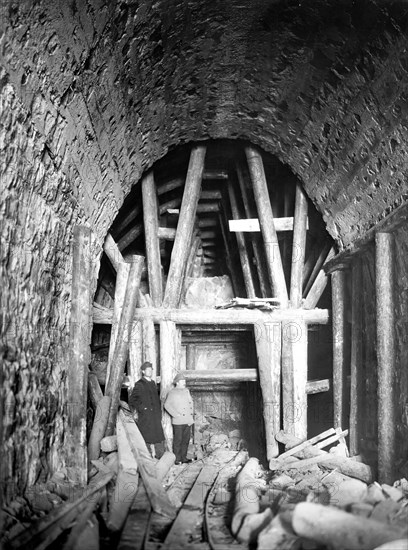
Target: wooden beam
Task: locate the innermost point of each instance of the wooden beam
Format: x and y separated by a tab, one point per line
233	316
356	367
167	233
314	265
268	350
80	355
294	378
256	244
114	383
210	195
149	352
135	352
318	286
215	175
120	289
274	260
384	262
133	213
251	225
170	185
208	222
298	247
111	249
190	263
130	237
185	227
208	207
228	259
338	283
170	351
151	225
243	254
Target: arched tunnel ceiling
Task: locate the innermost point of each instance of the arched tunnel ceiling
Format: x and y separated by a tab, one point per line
110	86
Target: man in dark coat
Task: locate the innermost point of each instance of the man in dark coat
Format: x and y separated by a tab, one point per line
144	400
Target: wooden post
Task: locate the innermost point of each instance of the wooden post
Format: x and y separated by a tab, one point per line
190	262
294	378
243	254
384	261
274	260
299	248
268	350
80	355
151	227
356	364
169	366
114	384
94	389
122	276
338	283
185	227
314	266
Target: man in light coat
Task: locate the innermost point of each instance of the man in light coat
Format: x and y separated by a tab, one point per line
179	405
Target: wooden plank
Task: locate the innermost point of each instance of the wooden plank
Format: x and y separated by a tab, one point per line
268	349
208	207
294	378
170	185
185	227
208	222
356	366
191	512
170	351
94	389
122	276
298	247
147	468
111	249
114	383
232	316
243	253
251	225
385	306
151	225
338	282
80	356
274	260
318	286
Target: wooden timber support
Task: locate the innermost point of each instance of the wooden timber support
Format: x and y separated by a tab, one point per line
122	276
298	247
112	251
356	362
256	244
384	261
318	286
232	316
340	343
274	260
294	378
185	227
170	349
80	355
268	349
151	226
114	383
243	254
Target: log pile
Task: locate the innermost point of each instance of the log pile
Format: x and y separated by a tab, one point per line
315	499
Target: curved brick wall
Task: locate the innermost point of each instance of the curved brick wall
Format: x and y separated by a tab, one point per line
94	92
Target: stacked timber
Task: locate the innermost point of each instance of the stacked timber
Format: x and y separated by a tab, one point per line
313	499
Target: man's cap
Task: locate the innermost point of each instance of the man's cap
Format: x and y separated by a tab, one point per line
180	376
146	365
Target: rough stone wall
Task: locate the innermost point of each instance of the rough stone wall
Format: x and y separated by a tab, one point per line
95	91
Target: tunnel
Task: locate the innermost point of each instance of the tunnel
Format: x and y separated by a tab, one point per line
206	147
